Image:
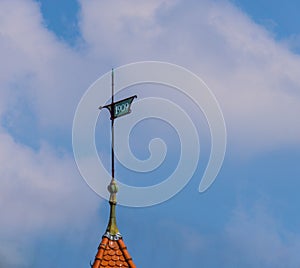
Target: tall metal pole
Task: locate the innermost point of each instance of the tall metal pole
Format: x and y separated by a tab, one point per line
116	110
112	229
123	109
112	128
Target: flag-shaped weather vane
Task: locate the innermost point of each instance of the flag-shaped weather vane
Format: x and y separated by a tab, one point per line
116	109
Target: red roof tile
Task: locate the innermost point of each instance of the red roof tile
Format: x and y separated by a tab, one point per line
112	254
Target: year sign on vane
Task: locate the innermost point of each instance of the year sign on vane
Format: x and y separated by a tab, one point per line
120	108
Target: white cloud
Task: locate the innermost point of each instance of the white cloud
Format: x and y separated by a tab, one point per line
125	30
252	237
40	192
38	67
255	79
257	239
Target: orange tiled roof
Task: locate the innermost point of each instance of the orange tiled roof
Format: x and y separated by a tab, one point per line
112	254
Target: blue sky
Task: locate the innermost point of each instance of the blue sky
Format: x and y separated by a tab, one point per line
248	54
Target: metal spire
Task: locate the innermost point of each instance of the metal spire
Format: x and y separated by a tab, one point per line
117	109
112	250
112	229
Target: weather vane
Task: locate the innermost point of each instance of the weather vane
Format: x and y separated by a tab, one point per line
112	251
116	109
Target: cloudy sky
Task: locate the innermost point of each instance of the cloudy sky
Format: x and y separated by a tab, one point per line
247	52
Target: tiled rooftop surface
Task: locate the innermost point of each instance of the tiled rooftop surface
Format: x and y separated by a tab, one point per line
112	254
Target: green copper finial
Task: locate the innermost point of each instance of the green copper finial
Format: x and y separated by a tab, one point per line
112	227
